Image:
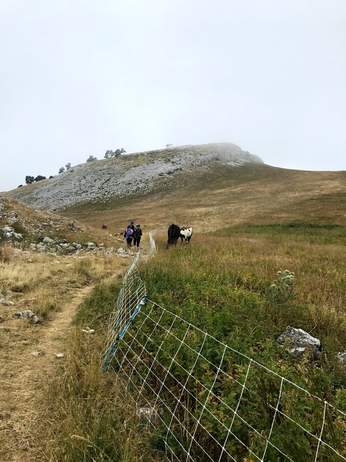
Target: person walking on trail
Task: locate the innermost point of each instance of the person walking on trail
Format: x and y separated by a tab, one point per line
137	235
128	235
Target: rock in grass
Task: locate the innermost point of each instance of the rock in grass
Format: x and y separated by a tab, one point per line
36	319
5	302
59	355
28	314
87	330
298	341
25	314
48	240
149	414
8	232
37	353
122	253
341	357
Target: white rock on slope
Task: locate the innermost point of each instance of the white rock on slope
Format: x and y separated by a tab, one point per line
298	341
7	232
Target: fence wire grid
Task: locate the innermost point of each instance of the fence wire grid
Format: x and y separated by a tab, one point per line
207	401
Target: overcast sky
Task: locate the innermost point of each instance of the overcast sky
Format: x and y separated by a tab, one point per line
78	77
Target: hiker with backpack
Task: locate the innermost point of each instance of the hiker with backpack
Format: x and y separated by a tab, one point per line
128	234
137	235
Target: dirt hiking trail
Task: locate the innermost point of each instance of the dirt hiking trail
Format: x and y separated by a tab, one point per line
29	357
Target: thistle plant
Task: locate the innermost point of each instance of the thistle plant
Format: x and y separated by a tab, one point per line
282	289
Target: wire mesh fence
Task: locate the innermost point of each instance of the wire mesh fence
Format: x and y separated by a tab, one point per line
207	401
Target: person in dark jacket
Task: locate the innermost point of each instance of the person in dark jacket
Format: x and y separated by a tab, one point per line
128	235
137	235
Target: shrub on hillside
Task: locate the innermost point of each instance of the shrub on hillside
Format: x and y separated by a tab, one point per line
19	228
112	154
29	179
40	178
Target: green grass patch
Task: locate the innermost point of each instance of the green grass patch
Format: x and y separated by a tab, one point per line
221	284
98	306
327	233
218	287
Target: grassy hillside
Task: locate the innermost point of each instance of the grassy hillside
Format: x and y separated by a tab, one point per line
250	223
224	196
221	283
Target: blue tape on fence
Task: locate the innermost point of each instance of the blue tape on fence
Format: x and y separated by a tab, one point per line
138	307
114	346
132	317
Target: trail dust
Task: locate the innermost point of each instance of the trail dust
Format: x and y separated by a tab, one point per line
25	369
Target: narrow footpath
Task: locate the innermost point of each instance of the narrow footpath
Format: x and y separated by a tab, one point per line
29	356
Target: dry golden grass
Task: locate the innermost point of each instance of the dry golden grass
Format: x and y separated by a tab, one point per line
6	253
51	287
47	280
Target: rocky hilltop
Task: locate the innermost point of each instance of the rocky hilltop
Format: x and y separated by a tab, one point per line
127	175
